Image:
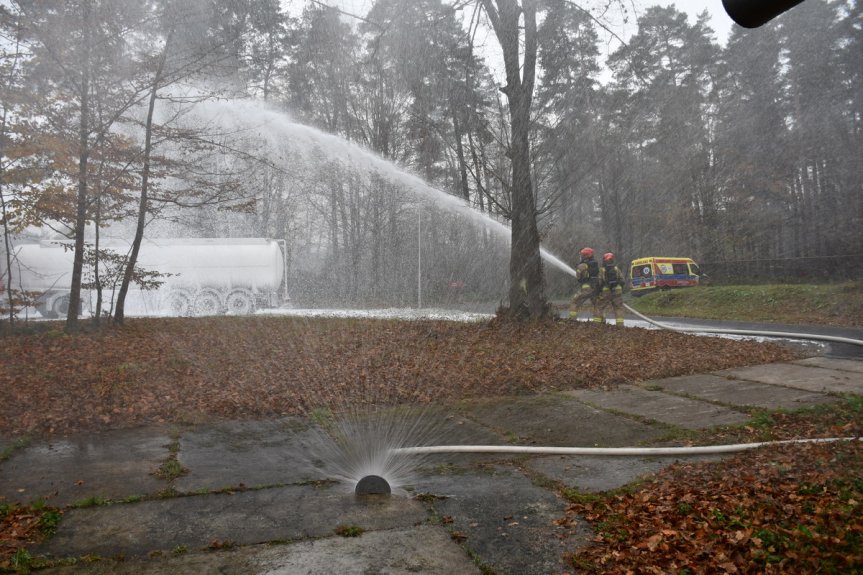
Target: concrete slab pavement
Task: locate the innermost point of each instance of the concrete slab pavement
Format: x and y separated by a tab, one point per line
831	363
809	378
558	419
460	511
110	465
248	453
593	474
655	405
427	550
739	392
504	518
289	513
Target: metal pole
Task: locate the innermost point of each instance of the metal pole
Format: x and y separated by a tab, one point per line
419	260
283	245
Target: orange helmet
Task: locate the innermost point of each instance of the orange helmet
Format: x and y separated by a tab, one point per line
586	253
609	257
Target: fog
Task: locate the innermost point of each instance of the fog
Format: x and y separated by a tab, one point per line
374	143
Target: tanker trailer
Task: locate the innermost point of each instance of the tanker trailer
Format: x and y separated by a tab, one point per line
202	276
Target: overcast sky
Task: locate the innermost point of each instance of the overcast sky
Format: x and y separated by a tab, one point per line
719	19
487	43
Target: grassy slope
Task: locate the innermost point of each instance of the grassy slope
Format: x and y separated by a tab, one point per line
835	304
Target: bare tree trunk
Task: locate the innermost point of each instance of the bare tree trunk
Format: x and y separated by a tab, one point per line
5	217
144	203
459	148
83	168
478	170
527	284
97	282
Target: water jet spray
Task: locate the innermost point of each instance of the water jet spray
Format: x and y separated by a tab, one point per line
272	125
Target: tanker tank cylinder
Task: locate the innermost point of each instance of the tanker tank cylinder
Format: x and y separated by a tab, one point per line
372	485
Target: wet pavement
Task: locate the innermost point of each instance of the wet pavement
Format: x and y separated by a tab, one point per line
257	497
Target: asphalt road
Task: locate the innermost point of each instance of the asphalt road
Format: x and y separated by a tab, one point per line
831	349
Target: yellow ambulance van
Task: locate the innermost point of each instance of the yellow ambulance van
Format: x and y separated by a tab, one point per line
652	273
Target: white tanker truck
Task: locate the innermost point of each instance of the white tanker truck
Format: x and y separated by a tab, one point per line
207	276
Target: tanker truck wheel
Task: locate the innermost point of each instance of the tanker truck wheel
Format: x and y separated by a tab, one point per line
207	302
45	310
60	306
179	303
240	302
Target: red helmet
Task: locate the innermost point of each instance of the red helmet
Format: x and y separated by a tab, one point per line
586	253
609	257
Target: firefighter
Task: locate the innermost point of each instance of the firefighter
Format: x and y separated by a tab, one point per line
587	276
612	289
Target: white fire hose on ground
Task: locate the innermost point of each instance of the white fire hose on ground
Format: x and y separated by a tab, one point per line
637	451
646	451
792	335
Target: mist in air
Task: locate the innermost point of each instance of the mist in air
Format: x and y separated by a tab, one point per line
374	150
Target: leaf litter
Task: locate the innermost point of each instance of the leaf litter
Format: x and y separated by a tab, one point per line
181	370
788	509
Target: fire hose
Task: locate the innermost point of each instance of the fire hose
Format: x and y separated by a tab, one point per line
792	335
647	451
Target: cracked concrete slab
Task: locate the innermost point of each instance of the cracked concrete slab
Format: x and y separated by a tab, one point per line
9	446
558	420
658	406
503	518
833	363
809	378
458	429
110	465
241	518
602	473
741	392
427	550
249	453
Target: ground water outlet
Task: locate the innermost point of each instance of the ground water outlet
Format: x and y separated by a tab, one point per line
373	485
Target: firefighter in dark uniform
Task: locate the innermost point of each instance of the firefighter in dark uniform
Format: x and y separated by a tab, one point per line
589	282
612	289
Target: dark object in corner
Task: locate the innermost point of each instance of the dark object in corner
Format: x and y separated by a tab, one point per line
754	13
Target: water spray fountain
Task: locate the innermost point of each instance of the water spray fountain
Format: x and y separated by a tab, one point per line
273	125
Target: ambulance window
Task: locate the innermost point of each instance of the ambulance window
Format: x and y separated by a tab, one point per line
680	269
641	271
